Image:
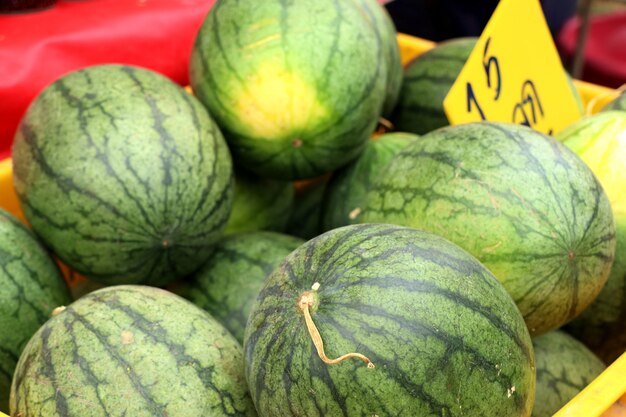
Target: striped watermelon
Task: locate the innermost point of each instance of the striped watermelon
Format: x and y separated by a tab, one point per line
345	193
600	140
427	80
391	50
260	204
31	286
297	87
439	334
123	174
564	367
618	104
227	285
131	351
527	207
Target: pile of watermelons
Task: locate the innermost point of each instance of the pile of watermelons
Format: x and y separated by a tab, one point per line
435	252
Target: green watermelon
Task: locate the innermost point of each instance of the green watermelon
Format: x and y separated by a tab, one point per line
427	80
600	140
131	351
297	87
522	203
387	32
31	286
260	204
345	193
618	103
123	174
306	217
564	368
227	285
439	334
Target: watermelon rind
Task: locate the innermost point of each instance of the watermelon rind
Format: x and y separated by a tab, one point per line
229	282
123	174
522	203
443	337
131	351
31	286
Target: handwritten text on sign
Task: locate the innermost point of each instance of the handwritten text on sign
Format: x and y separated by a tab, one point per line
514	74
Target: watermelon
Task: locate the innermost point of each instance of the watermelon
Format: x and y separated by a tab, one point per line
522	203
345	193
297	87
421	326
387	32
31	286
227	285
123	174
306	217
427	80
260	204
564	368
600	140
619	103
131	351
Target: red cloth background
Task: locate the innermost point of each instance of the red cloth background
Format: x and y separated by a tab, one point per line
38	47
605	51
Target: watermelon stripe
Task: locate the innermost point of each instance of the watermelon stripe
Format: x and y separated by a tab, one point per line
523	228
83	364
27	359
22	295
427	79
235	255
415	287
49	372
68	185
215	29
284	4
394	371
321	372
446	58
539	169
206	191
158	334
100	155
275	343
155	409
217	91
325	76
454	343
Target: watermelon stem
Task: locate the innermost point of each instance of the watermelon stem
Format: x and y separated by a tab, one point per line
306	300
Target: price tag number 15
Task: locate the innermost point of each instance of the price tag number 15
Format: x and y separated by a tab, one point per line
527	111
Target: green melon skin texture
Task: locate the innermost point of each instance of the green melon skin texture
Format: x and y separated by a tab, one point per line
31	286
260	204
227	285
427	80
444	336
564	368
388	34
346	191
600	141
522	203
131	351
123	174
296	87
618	104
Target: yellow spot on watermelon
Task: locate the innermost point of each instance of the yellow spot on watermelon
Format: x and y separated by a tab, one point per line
278	104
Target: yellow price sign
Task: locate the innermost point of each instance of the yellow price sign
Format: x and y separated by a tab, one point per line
514	74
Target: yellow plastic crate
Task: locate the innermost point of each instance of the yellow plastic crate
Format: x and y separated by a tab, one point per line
606	395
